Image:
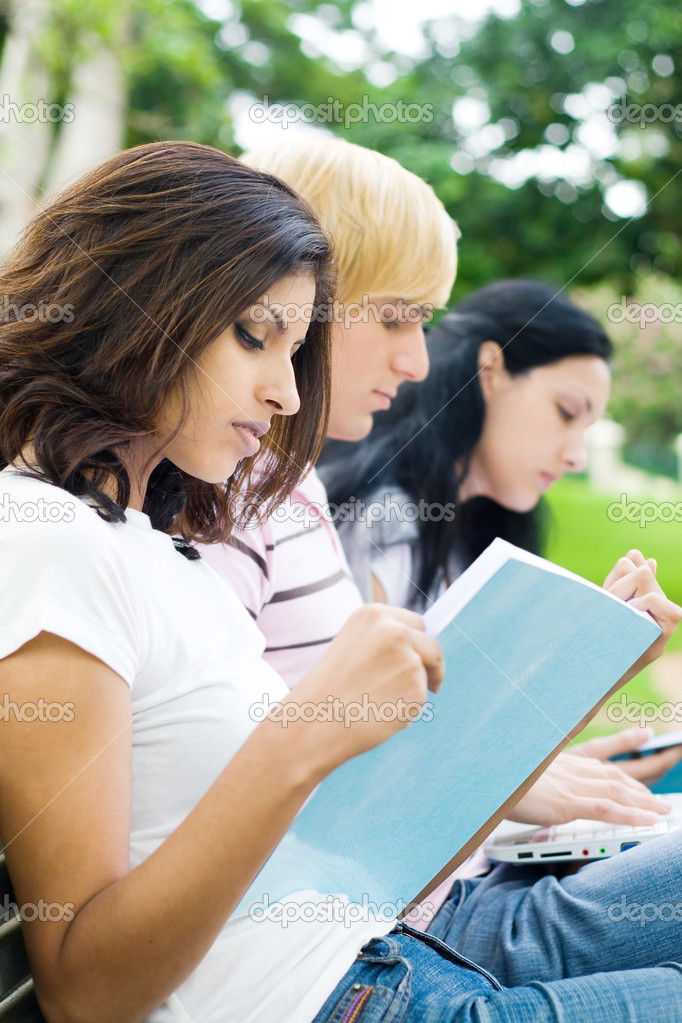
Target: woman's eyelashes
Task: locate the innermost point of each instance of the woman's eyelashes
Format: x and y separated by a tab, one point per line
565	414
247	339
256	344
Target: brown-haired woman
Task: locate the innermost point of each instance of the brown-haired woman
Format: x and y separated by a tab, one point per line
123	420
137	799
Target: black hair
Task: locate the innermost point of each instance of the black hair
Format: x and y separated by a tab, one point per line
436	424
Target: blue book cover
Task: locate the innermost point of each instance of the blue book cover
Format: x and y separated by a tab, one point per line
529	650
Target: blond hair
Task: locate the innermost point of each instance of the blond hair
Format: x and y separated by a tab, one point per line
392	236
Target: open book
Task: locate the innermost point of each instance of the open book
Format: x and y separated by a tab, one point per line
531	650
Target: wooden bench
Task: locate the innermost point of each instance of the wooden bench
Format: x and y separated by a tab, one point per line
17	1001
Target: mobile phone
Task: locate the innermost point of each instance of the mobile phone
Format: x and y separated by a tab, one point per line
662	741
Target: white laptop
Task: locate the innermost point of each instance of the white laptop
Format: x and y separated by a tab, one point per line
579	840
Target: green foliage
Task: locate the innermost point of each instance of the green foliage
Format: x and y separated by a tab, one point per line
182	68
526	84
646	329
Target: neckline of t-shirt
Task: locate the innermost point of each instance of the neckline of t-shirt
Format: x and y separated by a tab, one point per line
138	518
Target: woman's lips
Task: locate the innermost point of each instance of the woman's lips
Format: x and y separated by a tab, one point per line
383	399
249	434
548	478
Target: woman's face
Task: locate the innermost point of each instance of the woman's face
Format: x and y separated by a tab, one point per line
243	379
534	426
371	358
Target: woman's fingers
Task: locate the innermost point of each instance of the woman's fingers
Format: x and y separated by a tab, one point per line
574	787
645	770
633	560
613	811
633	579
638	581
621	568
607	746
659	607
431	653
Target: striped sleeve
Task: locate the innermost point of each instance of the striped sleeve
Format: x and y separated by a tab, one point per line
245	563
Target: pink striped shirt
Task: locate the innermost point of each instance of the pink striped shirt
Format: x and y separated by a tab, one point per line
292	576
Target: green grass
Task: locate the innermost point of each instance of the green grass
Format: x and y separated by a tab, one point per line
583	539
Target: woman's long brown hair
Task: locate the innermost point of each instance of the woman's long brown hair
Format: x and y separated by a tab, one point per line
116	288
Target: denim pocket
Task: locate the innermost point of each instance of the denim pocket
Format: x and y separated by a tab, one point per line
376	989
367	1004
447	952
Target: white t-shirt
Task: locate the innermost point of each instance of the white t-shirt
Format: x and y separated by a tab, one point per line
179	637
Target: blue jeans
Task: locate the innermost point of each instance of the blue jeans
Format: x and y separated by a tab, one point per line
598	946
410	977
524	924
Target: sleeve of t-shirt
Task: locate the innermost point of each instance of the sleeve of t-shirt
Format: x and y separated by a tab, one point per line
65	578
378	540
392	567
245	563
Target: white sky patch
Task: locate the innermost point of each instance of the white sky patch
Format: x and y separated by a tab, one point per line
470	113
557	134
220	10
381	73
257	121
597	135
562	42
347	48
547	163
626	199
485	141
399	21
663	64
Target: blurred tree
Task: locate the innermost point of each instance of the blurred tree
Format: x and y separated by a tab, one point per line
646	328
512	120
134	71
547	159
